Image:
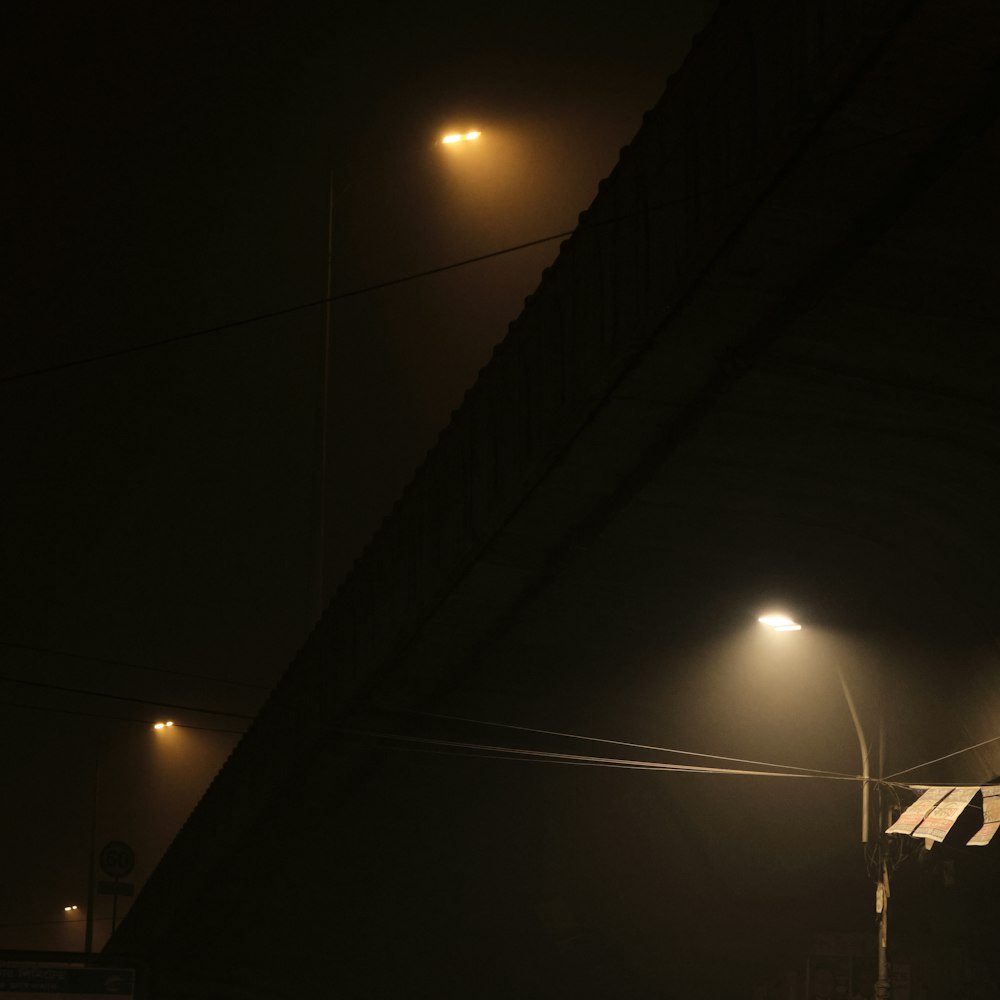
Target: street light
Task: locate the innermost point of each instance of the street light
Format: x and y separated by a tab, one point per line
782	623
460	137
333	196
88	934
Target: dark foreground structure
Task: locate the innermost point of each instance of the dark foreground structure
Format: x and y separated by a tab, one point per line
763	372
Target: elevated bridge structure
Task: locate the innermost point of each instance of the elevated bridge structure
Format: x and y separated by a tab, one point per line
763	370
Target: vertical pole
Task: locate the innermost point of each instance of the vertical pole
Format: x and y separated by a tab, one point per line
881	757
883	986
88	941
865	761
324	411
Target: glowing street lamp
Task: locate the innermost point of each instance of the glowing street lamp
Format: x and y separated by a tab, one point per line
460	137
88	935
782	623
453	138
70	909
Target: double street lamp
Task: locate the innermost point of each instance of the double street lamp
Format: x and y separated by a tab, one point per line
455	139
461	137
88	939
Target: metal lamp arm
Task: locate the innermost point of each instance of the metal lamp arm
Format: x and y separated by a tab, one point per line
865	761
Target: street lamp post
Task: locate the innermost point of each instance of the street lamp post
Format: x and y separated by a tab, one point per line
782	623
865	755
88	938
324	407
333	195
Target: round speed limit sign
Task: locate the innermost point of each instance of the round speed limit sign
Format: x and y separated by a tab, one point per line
117	859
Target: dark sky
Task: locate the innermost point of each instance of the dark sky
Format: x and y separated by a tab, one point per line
171	168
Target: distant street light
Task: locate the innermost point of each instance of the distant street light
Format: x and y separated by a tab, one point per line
461	137
69	909
88	934
333	195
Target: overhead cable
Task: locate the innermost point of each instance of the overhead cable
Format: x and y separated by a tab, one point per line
112	718
389	283
636	746
131	666
547	755
277	313
947	756
122	697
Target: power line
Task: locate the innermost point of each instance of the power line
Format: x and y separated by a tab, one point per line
531	757
480	751
378	286
552	756
131	666
482	755
123	697
111	718
277	313
635	746
947	756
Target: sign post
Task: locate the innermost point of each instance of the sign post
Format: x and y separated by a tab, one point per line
117	859
115	889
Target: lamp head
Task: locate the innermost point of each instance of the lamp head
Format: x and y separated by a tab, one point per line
780	623
454	137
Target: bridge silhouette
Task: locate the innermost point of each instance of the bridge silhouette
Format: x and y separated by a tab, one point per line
762	368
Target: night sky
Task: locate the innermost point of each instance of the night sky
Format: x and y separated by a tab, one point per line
171	169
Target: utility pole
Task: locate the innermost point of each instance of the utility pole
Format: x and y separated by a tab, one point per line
319	589
878	860
883	985
865	755
880	863
88	941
